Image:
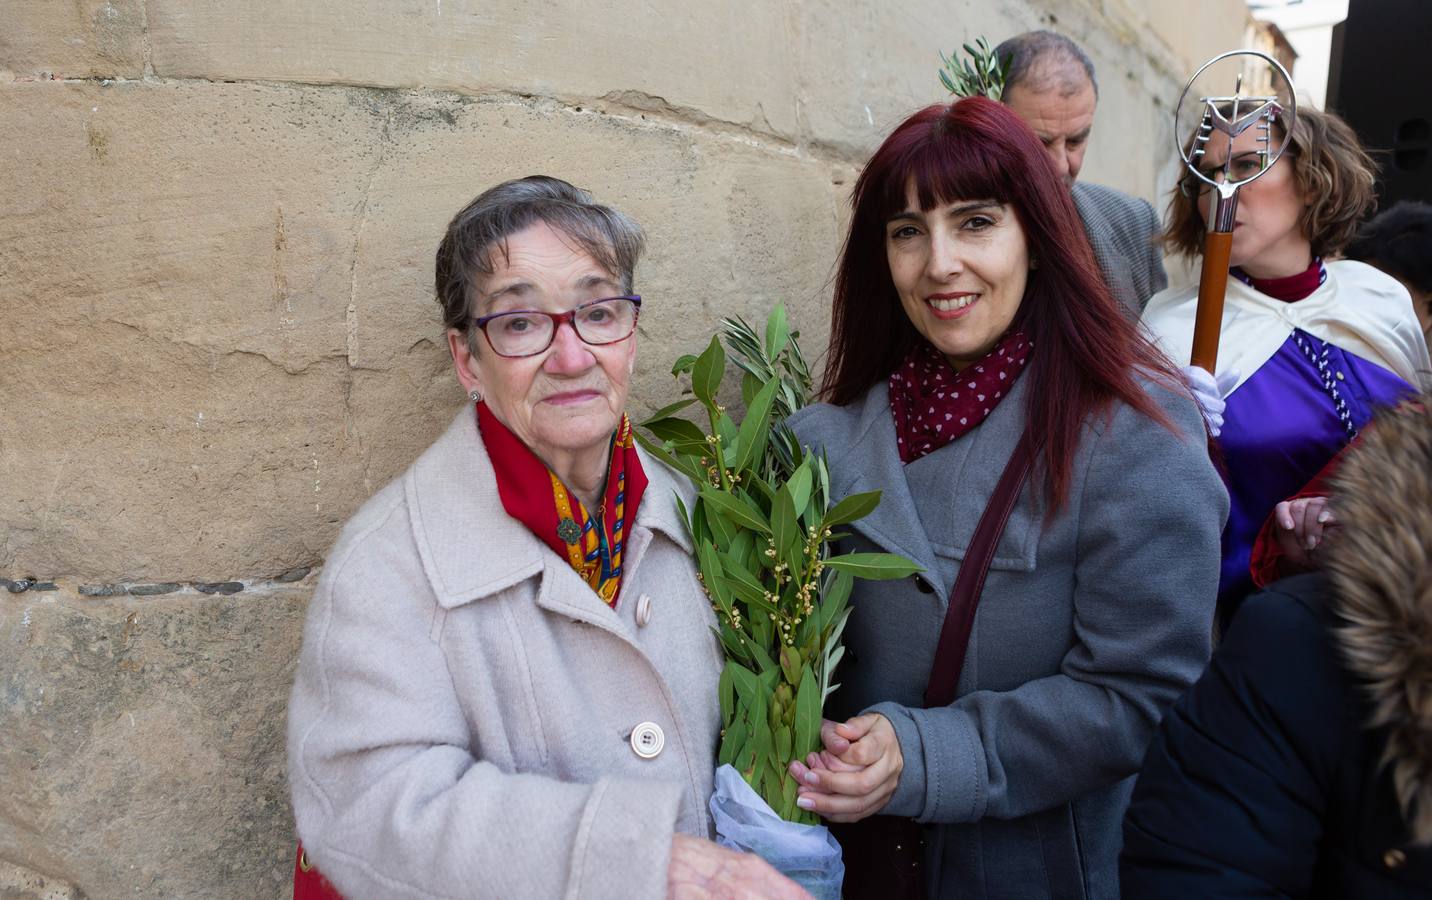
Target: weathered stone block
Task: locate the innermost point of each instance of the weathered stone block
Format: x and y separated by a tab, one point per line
728	62
143	750
83	39
246	273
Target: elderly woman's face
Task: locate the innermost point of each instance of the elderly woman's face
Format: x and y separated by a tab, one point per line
960	270
568	399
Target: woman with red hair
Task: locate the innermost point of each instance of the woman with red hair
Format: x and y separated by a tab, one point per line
974	343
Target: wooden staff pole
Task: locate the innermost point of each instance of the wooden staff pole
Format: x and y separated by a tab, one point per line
1212	286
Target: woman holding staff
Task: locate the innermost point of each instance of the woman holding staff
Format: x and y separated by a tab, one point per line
1310	346
1003	699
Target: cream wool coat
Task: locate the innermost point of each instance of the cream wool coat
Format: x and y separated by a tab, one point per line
460	722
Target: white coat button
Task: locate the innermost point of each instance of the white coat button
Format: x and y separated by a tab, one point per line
643	610
647	740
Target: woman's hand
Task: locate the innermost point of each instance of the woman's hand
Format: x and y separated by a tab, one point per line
1302	525
703	870
856	773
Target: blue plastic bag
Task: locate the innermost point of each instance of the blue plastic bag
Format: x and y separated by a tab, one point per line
806	854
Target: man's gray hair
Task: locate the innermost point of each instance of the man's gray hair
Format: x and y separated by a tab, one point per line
484	225
1041	60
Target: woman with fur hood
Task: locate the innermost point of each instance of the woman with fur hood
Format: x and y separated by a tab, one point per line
1300	764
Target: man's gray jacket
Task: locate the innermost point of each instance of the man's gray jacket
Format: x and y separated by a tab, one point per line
1122	230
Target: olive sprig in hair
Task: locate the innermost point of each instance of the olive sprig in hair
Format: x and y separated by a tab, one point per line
981	74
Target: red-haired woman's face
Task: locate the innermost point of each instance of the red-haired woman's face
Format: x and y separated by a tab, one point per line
960	270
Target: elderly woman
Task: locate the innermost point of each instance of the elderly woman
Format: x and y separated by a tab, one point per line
972	336
1310	347
508	679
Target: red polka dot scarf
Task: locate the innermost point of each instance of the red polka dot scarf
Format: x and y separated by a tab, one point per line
933	404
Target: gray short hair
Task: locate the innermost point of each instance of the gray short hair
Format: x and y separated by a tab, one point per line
485	224
1027	55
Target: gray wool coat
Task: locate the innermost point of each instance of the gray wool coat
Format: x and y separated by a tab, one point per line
460	722
1123	231
1088	627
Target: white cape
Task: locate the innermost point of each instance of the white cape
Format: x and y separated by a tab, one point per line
1358	309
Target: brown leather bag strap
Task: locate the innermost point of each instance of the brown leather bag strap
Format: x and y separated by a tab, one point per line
965	596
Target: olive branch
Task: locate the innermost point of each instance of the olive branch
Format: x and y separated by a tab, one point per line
980	75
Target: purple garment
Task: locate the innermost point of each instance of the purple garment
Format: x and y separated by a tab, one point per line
1279	430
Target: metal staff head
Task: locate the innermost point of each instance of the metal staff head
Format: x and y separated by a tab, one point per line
1232	115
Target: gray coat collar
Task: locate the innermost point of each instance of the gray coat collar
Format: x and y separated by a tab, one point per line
471	548
859	441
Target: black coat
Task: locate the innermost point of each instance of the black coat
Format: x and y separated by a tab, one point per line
1263	780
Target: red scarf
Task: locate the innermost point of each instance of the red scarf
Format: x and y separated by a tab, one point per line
1289	289
933	404
534	496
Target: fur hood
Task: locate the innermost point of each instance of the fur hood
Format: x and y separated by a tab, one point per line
1381	568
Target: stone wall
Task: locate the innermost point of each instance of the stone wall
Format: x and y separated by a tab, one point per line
217	336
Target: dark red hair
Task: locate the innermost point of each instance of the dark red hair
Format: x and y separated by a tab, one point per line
1086	350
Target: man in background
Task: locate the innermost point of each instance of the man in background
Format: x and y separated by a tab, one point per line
1050	84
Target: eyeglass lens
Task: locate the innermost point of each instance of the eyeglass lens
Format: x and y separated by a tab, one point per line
526	333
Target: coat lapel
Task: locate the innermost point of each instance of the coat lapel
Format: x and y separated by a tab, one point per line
471	548
870	462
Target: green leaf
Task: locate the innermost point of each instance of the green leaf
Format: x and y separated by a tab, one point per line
670	410
683	364
711	572
738	554
788	808
707	372
681	432
750	385
752	595
800	485
726	692
765	746
807	720
759	486
791	665
834	596
783	745
745	683
784	527
777	331
682	463
735	648
760	655
874	566
756	426
733	741
722	531
758	767
852	508
745	761
734	509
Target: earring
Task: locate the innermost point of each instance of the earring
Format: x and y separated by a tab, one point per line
475	396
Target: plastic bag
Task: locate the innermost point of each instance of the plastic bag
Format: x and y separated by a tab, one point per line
806	854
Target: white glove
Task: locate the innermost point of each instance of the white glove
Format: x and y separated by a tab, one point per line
1209	392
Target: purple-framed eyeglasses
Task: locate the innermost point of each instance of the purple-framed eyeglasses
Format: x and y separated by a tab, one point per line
527	332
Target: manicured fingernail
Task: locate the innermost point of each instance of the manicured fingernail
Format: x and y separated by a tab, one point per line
811	778
1312	542
805	803
1324	517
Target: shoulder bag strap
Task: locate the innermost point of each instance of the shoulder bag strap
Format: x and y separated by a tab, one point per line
965	596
